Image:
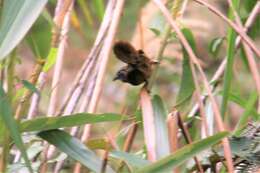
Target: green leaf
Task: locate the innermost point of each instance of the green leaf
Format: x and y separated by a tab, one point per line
215	45
10	123
17	18
74	149
231	38
155	31
157	24
236	98
39	37
188	151
47	123
244	118
100	143
187	84
30	86
51	59
132	160
86	11
161	133
99	8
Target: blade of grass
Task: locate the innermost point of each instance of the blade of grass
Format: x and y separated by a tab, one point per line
74	149
231	38
183	154
133	160
244	118
99	6
160	116
148	124
17	18
10	123
47	123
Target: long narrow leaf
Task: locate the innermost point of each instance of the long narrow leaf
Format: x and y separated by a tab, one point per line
148	124
17	18
231	38
74	149
132	160
244	118
10	123
160	116
168	163
187	84
48	123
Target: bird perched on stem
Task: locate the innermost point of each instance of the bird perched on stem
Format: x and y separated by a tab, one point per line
139	67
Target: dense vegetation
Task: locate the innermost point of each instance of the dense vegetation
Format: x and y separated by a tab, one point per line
195	108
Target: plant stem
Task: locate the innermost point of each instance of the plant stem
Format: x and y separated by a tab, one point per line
176	11
10	74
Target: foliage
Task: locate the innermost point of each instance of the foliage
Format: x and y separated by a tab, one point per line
97	125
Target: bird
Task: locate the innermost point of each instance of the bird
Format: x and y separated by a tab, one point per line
139	67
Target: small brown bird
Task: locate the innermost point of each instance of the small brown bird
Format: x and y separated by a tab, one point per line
139	66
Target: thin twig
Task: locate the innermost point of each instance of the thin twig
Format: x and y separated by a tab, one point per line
249	54
178	9
220	71
194	59
188	139
242	34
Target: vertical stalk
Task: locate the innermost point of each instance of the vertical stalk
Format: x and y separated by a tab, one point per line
10	74
177	10
10	84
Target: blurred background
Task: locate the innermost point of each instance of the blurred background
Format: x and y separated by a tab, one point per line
139	21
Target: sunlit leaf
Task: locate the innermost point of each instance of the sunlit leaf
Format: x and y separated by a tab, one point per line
100	143
47	123
51	59
17	18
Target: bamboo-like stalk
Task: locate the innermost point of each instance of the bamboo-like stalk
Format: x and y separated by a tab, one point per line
80	82
77	88
59	41
172	125
104	54
60	12
22	105
194	59
65	24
